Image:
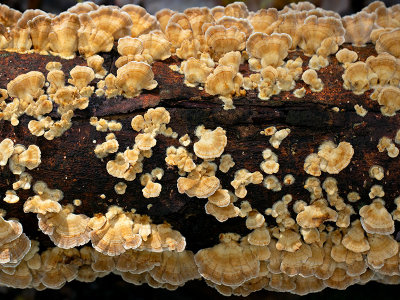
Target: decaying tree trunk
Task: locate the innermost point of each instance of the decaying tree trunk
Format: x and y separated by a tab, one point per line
69	163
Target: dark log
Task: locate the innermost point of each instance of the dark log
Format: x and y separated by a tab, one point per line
69	163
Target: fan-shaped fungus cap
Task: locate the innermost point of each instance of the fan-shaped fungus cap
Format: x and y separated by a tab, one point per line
227	263
142	21
356	77
277	138
211	144
220	198
381	247
195	71
30	158
6	150
56	78
376	191
259	236
66	229
26	86
9	230
254	220
200	188
314	30
156	45
384	66
151	189
243	178
358	28
223	81
81	76
289	240
353	196
271	49
14	251
175	268
92	39
226	162
96	63
389	98
112	20
222	40
63	38
355	240
315	214
115	236
83	7
389	42
104	149
346	57
376	219
129	46
11	197
310	77
45	200
263	20
222	213
335	158
135	76
271	182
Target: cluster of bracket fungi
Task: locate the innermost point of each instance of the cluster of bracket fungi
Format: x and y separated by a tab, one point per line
299	253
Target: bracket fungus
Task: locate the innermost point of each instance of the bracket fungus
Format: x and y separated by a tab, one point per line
211	144
301	76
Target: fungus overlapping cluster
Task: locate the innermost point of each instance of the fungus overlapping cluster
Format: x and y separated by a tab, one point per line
334	235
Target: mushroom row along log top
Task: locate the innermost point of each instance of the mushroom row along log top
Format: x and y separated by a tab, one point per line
251	150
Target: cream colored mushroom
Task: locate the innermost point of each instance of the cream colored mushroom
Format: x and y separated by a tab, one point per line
376	219
133	77
211	144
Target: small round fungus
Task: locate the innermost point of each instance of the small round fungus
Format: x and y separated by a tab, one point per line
120	188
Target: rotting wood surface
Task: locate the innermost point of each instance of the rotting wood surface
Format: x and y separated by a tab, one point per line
69	163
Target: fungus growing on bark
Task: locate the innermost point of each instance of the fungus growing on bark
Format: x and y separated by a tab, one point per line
222	40
358	28
254	220
389	42
66	229
270	164
151	189
200	182
96	63
45	200
346	57
243	178
120	188
211	143
111	145
389	98
225	263
11	197
112	234
133	77
335	158
270	49
6	150
310	77
315	214
375	218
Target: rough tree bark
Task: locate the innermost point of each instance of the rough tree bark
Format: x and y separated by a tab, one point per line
69	163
